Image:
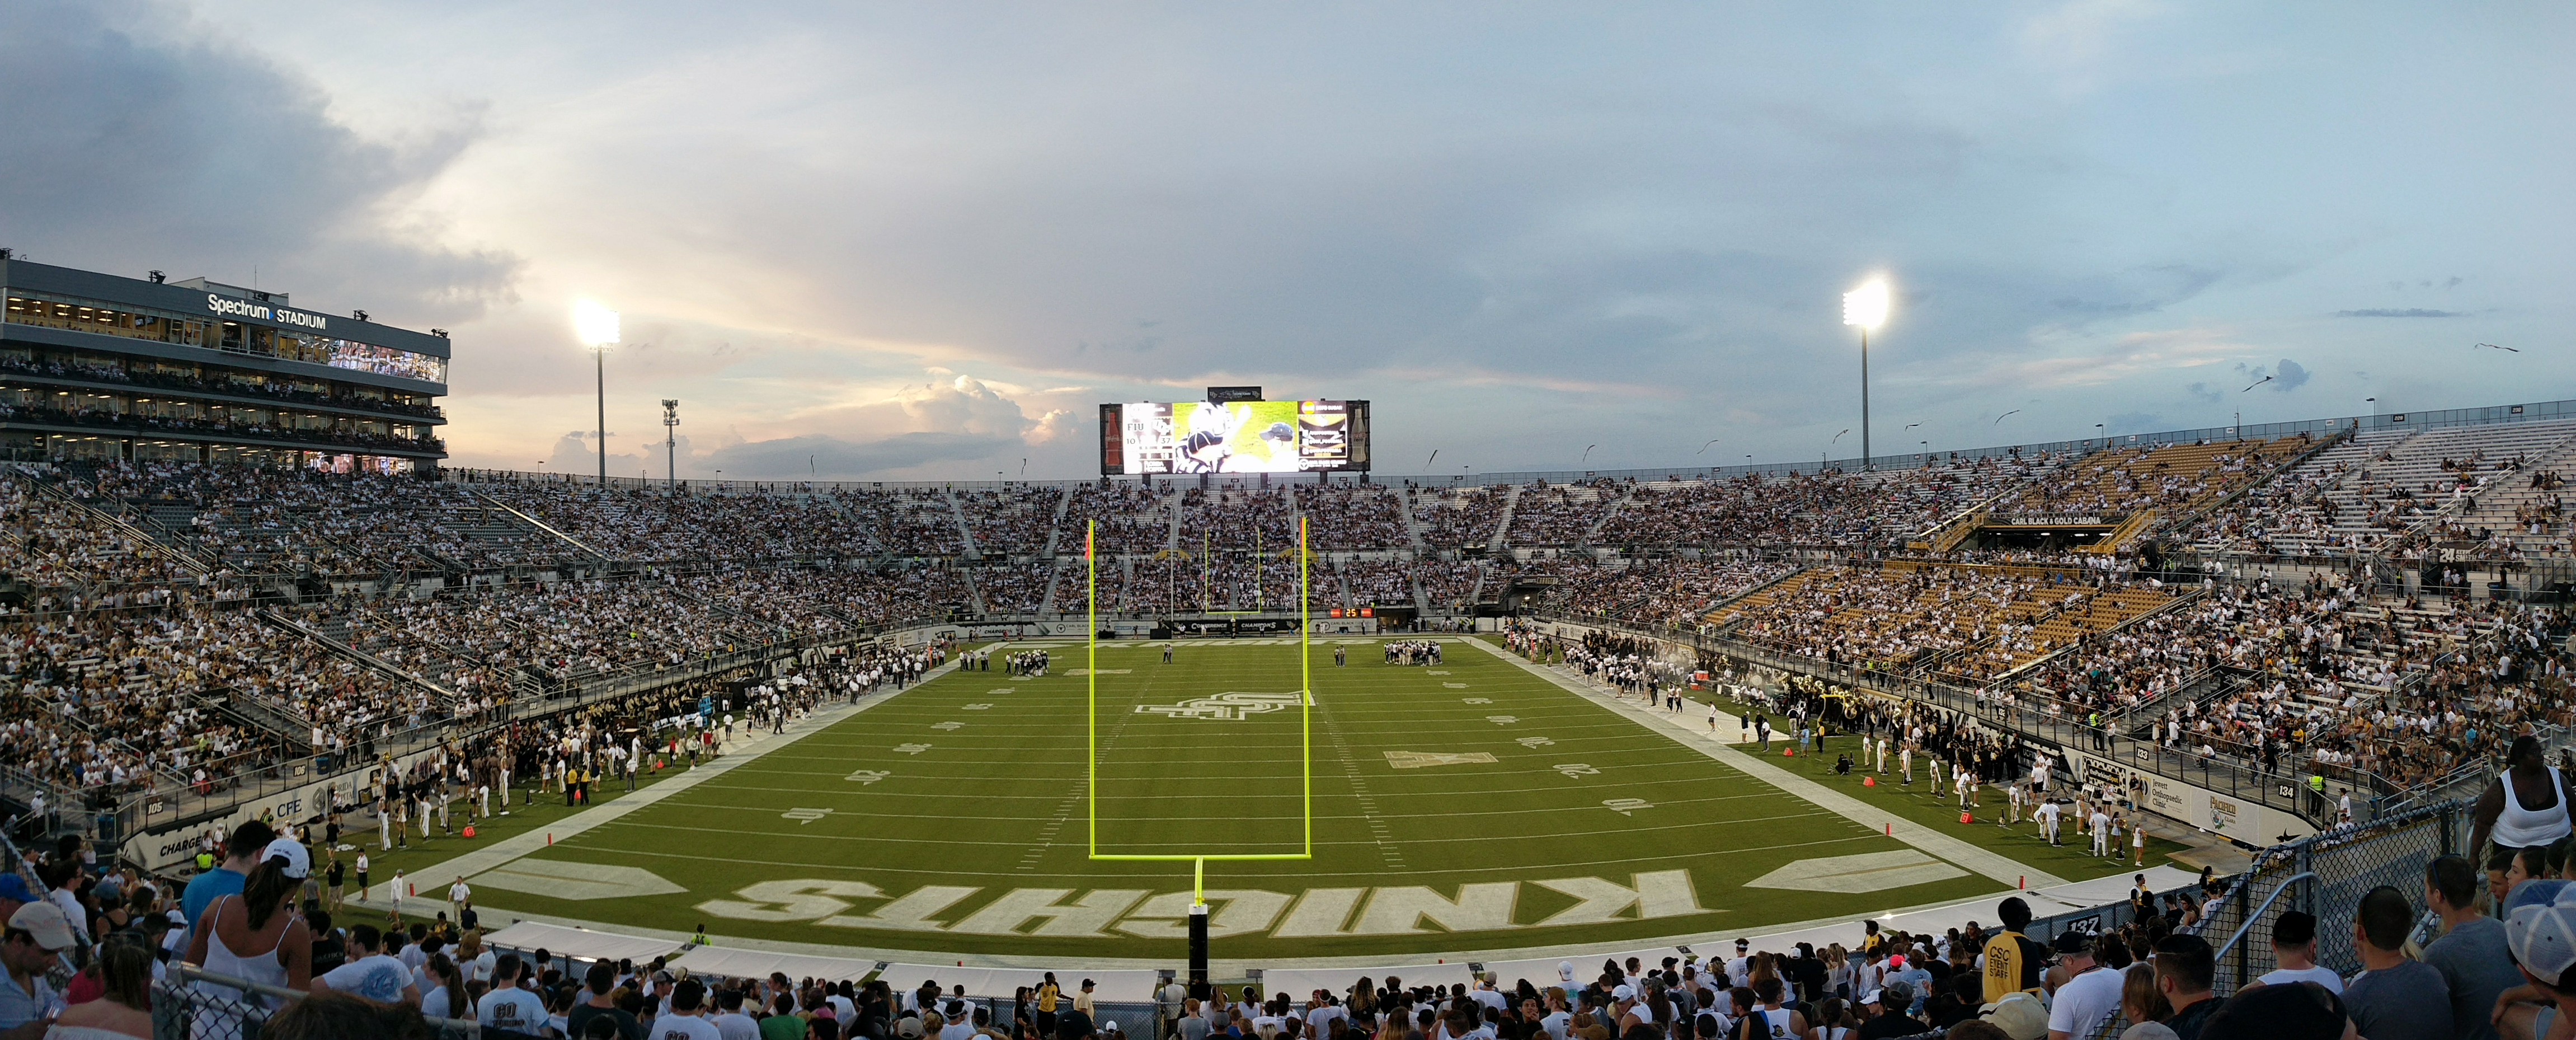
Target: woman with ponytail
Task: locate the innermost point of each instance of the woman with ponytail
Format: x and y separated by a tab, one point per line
449	998
254	937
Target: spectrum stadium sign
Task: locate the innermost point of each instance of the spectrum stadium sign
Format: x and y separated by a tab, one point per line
1234	437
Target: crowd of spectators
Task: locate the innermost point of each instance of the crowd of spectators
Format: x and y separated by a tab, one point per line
1457	518
1010	522
54	543
257	519
1243	518
1129	518
1660	592
1017	588
1896	616
1351	516
2168	477
1452	584
1562	514
1373	583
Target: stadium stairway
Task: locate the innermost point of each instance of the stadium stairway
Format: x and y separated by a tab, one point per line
531	521
1503	526
1594	531
1412	523
1055	571
1055	528
965	531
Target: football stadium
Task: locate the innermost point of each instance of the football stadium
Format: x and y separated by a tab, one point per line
2032	708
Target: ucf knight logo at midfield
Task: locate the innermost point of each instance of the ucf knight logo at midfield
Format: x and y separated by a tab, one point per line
1224	707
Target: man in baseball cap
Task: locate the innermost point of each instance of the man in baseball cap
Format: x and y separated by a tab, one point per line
2020	1015
2542	938
37	935
15	892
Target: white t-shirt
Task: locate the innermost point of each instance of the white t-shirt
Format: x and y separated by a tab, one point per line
2321	976
2085	1002
376	977
516	1010
737	1026
842	1009
683	1027
434	1003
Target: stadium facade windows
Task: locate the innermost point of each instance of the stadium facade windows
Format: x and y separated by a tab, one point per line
100	367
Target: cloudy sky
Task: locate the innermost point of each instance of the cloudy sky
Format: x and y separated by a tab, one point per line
924	240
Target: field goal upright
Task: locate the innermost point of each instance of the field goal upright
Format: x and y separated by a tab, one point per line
1198	920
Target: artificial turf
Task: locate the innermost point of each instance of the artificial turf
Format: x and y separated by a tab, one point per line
952	818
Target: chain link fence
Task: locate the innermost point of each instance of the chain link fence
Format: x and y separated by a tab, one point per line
2326	875
195	1005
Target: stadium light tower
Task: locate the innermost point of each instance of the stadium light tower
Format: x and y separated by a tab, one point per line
597	327
671	440
1867	308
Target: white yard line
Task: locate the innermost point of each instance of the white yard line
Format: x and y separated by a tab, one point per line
1678	727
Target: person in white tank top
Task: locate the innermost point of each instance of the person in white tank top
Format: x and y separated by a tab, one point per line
255	937
2525	807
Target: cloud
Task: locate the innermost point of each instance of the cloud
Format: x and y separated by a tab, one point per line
130	152
832	458
2204	392
2289	375
2400	312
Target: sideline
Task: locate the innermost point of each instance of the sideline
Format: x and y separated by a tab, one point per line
518	846
1991	864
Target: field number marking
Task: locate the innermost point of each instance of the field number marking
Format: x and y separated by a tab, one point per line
1574	769
979	707
1455	685
1475	700
910	749
804	816
947	725
1625	806
867	776
1435	671
997	693
1535	743
1502	720
1425	759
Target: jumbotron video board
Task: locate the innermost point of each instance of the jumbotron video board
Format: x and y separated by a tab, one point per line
1234	437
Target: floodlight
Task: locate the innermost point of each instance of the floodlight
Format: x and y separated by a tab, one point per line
1867	305
595	325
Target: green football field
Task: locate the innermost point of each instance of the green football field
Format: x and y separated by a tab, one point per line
1466	806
